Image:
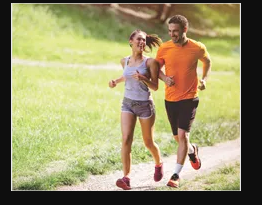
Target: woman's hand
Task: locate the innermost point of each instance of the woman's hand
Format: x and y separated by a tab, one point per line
112	83
138	76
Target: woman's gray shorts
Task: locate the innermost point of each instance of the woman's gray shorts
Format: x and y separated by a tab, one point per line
142	109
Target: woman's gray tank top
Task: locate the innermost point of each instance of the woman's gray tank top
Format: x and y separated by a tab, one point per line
134	89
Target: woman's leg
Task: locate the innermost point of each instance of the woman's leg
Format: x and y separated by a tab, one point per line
147	126
128	122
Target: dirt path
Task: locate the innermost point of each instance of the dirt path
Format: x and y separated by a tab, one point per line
106	66
142	174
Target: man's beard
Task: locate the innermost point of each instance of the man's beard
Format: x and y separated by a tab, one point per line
177	39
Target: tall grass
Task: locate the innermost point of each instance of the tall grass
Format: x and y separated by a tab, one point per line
66	122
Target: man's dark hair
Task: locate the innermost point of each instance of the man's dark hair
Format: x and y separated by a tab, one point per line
179	19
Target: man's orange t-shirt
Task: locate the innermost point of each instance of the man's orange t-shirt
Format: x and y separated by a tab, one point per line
181	62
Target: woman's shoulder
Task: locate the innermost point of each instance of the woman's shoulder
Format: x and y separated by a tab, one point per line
123	60
150	61
148	58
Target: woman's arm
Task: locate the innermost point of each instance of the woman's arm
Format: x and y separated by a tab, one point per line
152	82
113	83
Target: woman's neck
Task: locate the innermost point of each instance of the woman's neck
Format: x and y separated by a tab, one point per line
137	56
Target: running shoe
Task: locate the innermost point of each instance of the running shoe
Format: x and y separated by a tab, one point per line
158	175
194	158
173	181
123	183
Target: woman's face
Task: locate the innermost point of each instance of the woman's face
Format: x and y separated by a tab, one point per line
138	42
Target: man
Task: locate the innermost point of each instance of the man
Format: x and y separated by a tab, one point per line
180	57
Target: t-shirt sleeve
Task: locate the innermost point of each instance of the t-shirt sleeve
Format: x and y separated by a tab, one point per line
159	56
203	54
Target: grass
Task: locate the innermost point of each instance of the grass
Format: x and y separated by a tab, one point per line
59	117
66	122
87	36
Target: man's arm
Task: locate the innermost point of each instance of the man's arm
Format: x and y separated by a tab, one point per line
168	80
161	76
206	70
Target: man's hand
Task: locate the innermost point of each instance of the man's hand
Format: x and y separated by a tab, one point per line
202	85
169	81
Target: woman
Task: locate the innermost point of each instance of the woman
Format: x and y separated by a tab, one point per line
140	74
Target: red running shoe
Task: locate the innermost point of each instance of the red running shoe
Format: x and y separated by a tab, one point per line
123	183
194	158
158	173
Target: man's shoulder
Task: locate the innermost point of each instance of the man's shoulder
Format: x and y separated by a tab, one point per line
196	43
166	44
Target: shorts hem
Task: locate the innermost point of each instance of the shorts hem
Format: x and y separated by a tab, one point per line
127	112
147	117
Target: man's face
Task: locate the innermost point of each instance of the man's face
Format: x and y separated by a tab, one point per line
175	32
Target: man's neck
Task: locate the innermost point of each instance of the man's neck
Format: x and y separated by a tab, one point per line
183	42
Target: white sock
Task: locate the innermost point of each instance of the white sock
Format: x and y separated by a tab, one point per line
178	168
190	149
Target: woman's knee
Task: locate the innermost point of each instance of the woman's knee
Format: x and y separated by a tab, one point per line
149	144
127	140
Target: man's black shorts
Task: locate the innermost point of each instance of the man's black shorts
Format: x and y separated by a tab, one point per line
181	114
